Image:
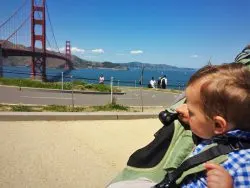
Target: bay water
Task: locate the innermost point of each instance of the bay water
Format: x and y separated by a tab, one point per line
177	78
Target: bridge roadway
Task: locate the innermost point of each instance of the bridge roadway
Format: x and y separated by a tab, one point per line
132	97
6	52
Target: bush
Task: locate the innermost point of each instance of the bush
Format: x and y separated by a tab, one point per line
111	107
79	109
79	87
79	82
55	108
21	108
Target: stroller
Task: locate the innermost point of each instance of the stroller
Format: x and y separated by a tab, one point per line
162	159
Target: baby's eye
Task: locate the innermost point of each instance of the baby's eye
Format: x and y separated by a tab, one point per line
190	113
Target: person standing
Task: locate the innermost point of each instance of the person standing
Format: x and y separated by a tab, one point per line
101	79
152	83
159	83
164	82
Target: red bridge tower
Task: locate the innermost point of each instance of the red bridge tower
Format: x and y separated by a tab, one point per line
68	54
38	61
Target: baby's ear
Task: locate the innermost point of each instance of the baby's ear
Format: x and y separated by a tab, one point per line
220	125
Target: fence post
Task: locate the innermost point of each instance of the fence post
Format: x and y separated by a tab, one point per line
62	81
135	83
111	90
20	85
1	61
141	98
72	92
118	84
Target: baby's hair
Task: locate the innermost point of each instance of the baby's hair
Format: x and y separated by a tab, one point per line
225	91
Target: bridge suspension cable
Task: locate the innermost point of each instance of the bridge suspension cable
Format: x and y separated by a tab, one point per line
52	27
14	14
16	40
14	23
25	21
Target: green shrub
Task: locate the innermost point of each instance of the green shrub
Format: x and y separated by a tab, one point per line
56	108
79	109
21	108
111	107
79	82
79	87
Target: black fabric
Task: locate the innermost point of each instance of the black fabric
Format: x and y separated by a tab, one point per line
163	83
150	155
225	145
196	139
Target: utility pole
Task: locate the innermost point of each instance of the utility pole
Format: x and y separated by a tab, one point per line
142	72
209	61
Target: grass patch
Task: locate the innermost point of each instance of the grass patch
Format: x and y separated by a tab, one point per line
55	108
59	108
111	107
21	108
77	85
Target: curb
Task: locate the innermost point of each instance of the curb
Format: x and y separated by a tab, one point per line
65	91
73	116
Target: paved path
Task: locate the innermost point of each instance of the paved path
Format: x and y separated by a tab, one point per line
73	154
132	97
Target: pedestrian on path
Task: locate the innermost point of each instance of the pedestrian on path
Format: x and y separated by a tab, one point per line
101	79
152	83
164	82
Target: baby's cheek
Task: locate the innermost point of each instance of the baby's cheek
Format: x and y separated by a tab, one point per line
190	120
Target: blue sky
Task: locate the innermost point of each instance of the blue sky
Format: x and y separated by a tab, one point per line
183	33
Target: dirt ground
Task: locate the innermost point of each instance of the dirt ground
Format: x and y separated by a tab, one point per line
84	154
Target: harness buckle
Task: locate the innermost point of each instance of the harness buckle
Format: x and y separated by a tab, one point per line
237	145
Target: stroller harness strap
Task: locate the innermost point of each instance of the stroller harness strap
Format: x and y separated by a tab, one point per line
226	145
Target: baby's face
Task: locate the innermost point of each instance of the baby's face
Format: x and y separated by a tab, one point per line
199	124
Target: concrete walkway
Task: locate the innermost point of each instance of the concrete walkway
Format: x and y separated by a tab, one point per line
70	116
69	154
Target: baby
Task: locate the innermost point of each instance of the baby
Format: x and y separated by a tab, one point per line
218	102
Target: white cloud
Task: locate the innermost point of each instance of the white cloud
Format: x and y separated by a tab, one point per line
136	52
194	56
77	50
98	51
73	50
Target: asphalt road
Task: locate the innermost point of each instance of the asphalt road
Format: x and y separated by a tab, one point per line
14	95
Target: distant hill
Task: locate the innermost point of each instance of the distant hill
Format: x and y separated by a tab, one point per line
82	63
139	65
149	66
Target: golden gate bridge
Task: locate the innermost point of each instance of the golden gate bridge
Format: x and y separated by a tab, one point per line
24	33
